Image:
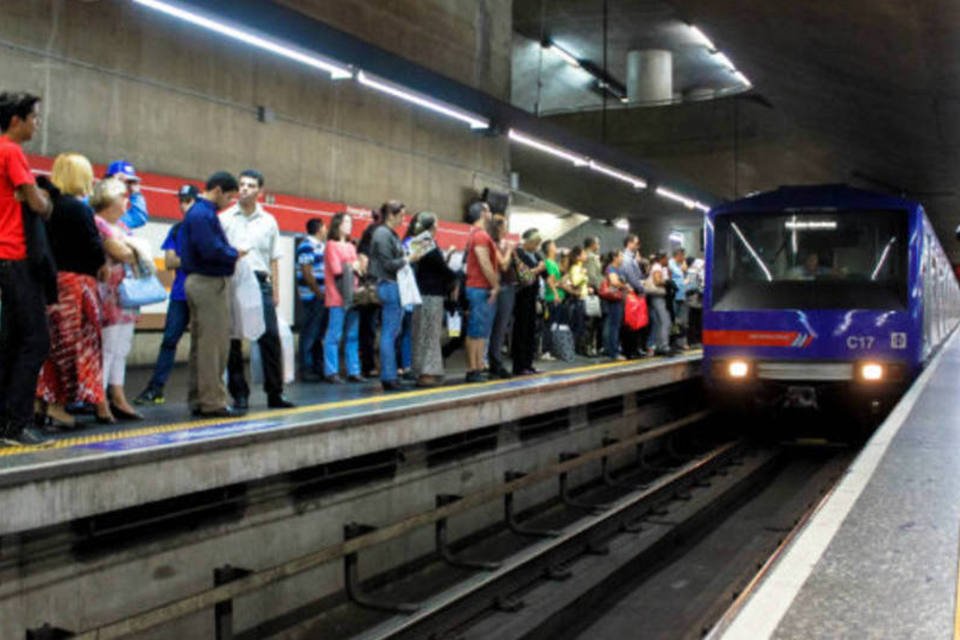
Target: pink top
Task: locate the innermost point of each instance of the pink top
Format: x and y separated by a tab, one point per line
113	313
336	255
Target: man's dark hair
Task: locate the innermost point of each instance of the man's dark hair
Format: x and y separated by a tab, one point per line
253	173
223	179
314	225
630	238
678	250
18	104
590	241
391	208
475	211
546	244
529	233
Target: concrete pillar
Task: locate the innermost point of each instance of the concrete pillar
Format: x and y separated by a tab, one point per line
650	76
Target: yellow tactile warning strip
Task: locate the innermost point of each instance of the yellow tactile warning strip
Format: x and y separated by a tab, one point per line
67	443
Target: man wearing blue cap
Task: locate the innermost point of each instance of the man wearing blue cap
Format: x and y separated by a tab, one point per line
136	215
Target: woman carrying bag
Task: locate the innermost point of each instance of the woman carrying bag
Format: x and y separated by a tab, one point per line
613	289
109	202
341	268
435	280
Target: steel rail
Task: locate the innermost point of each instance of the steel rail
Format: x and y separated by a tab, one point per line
209	598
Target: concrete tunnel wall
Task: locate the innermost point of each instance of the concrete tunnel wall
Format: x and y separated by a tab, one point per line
119	80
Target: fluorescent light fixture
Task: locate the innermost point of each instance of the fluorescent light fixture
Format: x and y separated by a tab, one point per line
724	60
742	79
753	253
676	197
622	223
811	225
475	121
626	100
336	71
702	38
675	236
637	183
568	57
577	160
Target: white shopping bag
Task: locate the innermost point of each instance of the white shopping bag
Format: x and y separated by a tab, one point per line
246	303
407	282
454	324
286	346
286	349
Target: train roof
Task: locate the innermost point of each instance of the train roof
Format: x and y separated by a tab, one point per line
840	196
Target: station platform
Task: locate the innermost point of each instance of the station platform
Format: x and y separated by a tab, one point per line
105	469
878	558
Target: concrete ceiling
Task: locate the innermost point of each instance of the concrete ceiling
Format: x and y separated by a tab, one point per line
861	91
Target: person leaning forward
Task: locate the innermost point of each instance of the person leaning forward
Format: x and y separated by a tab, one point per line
208	260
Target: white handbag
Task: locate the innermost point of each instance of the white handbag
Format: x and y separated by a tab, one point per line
591	306
407	283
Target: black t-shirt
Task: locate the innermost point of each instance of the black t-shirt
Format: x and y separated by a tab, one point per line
74	240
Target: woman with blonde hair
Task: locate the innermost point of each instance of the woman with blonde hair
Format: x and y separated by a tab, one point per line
72	372
109	201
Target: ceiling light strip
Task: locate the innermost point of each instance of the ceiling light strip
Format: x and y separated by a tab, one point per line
689	203
336	71
568	57
577	160
637	183
475	121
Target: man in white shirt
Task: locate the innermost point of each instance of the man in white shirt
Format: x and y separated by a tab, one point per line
250	228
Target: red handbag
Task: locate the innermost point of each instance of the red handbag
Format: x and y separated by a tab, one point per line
635	314
611	294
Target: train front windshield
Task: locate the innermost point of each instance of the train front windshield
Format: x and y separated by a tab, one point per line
810	260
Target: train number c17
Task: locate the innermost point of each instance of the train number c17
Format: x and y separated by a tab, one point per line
860	342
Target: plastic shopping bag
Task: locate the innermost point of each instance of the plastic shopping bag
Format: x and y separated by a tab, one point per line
454	324
246	304
407	282
286	346
635	313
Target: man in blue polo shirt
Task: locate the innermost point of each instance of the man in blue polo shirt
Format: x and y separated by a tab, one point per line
208	261
310	289
178	313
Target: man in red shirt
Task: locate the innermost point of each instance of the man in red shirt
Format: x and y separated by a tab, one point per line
483	285
24	340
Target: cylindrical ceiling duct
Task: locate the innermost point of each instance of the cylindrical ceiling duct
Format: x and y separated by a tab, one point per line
650	76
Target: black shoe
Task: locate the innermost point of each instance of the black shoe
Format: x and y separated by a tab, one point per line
27	437
225	412
474	376
279	402
356	379
409	376
150	395
334	379
120	414
501	373
391	385
241	404
309	376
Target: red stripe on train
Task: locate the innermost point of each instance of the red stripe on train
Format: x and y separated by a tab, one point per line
750	338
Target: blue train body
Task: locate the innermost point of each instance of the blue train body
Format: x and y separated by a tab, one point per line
822	293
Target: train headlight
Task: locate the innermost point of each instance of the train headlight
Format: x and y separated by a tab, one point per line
738	369
871	371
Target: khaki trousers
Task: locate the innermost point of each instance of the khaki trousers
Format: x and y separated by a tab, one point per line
209	300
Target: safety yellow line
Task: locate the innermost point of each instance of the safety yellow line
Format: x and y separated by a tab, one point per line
78	441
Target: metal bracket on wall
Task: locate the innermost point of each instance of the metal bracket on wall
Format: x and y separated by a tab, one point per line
565	497
443	545
46	632
223	611
511	519
352	578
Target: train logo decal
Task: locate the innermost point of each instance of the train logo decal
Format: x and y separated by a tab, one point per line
753	338
898	340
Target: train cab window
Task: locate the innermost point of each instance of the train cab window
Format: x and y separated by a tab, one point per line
810	260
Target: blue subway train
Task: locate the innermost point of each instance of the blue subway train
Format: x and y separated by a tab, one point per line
822	295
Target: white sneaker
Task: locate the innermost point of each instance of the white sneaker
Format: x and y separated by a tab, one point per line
547	357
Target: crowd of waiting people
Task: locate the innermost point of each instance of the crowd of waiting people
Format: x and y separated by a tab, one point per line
393	305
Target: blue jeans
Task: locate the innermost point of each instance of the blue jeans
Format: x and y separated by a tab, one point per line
659	323
314	314
406	340
338	323
391	319
178	318
611	330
